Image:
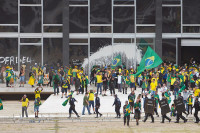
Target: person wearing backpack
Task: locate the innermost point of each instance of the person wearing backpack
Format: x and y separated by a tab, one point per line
117	104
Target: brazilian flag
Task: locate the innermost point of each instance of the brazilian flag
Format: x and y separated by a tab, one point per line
150	60
1	105
116	61
66	101
128	111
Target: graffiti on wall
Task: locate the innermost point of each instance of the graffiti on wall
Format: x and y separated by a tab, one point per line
12	60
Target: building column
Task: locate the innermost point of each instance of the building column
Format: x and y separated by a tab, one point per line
158	37
65	32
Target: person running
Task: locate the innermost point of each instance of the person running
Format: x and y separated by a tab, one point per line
137	107
37	103
86	104
25	104
197	108
97	105
117	104
72	106
131	99
148	114
127	111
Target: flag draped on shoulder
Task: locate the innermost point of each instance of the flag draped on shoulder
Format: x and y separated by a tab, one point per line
150	60
66	101
117	61
128	111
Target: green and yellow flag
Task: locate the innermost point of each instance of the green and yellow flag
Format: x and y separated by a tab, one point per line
149	61
116	61
1	105
128	111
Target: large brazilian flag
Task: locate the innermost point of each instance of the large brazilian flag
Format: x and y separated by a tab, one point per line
149	61
116	61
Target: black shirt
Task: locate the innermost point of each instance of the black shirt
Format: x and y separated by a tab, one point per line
106	80
97	101
71	101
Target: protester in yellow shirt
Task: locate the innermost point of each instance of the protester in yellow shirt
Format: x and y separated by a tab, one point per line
37	92
91	100
25	104
99	82
153	87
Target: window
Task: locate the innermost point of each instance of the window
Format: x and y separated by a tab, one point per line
78	19
98	43
9	12
30	1
169	50
30	19
100	11
123	20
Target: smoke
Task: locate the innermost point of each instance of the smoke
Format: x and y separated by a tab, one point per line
129	52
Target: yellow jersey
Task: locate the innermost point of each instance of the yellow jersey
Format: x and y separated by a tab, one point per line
91	96
153	86
37	94
99	79
25	103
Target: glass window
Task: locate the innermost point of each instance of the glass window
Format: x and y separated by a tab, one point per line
30	40
52	28
30	19
53	11
52	51
30	1
145	11
8	29
169	50
122	40
191	29
9	12
100	11
100	29
123	20
171	2
171	20
98	43
9	52
29	55
78	40
78	2
78	22
77	54
191	13
124	2
145	29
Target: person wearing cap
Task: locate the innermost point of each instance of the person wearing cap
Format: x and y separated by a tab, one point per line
72	106
25	104
97	105
126	111
117	104
197	108
190	102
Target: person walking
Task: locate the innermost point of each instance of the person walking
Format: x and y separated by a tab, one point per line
126	111
197	108
117	104
97	105
72	106
137	107
86	104
25	104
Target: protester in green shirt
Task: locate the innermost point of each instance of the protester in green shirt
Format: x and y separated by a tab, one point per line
86	104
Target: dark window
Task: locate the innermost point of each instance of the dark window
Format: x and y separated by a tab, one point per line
191	14
145	29
30	40
52	28
9	52
171	19
8	29
122	40
30	19
8	11
53	11
53	51
78	40
77	54
30	1
98	43
78	22
191	29
169	50
145	11
124	2
100	29
78	2
100	11
171	1
123	20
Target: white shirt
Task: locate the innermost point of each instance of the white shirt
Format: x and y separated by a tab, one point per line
119	81
163	89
